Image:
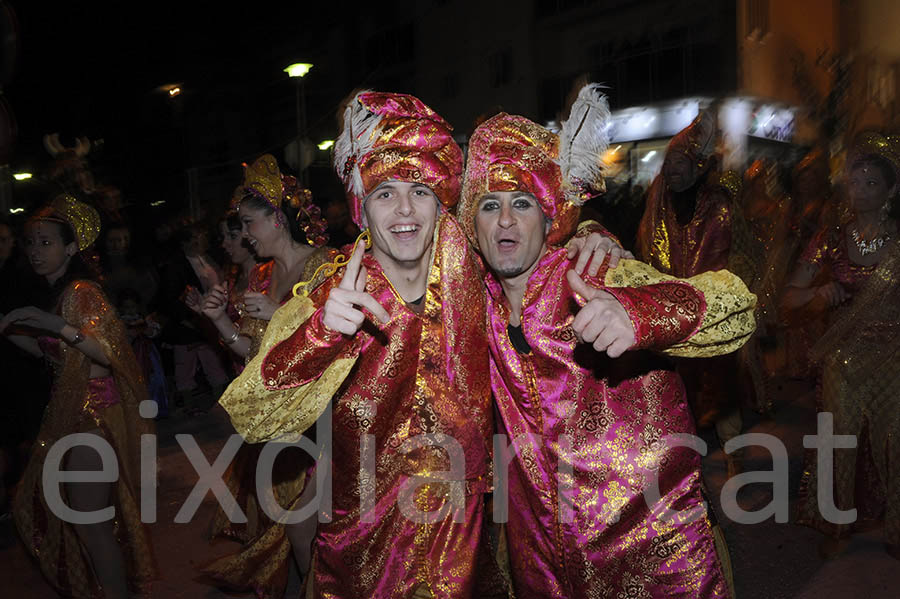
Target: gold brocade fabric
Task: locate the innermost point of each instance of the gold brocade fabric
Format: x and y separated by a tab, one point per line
702	244
861	388
322	255
255	328
419	381
260	414
713	239
729	318
54	543
262	564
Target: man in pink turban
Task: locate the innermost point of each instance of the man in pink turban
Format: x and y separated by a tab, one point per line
602	500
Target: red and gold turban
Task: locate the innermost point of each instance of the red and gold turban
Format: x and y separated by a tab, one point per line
512	153
395	137
697	141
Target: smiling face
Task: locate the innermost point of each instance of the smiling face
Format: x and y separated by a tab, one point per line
511	229
261	229
679	171
47	250
233	243
401	217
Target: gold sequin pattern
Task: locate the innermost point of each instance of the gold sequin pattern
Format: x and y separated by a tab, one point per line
82	218
54	543
728	322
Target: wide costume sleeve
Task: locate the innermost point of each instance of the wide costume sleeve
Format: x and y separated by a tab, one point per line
709	314
587	227
288	384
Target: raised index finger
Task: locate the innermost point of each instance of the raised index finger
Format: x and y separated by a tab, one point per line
348	281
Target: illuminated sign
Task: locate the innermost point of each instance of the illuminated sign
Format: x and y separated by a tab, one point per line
772	122
749	116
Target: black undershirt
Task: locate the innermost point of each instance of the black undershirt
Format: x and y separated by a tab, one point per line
517	338
417	306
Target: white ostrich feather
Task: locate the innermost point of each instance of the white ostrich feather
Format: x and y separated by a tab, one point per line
356	140
584	138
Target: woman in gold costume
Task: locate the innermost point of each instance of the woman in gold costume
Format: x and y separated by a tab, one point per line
862	260
279	222
97	389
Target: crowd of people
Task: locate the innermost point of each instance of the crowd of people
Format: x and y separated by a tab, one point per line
479	300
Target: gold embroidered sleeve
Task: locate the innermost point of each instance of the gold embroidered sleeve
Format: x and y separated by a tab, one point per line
254	329
728	318
261	414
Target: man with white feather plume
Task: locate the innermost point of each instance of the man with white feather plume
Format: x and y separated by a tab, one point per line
603	496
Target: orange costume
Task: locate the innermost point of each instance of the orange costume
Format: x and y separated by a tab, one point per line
107	406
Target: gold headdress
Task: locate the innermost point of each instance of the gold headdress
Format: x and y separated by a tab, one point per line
875	144
81	217
262	178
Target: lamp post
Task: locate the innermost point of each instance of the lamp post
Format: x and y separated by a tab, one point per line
298	71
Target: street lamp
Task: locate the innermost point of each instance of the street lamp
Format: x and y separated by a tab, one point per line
326	144
21	176
171	89
298	71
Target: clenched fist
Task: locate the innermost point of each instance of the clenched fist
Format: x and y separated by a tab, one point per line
602	322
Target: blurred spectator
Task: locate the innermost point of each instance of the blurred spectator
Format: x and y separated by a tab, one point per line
690	226
124	269
141	331
341	230
26	388
192	337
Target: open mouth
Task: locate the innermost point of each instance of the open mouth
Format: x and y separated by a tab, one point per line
404	232
507	244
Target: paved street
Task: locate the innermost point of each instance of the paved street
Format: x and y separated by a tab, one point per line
771	561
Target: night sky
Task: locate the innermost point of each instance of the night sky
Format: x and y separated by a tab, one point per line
94	69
